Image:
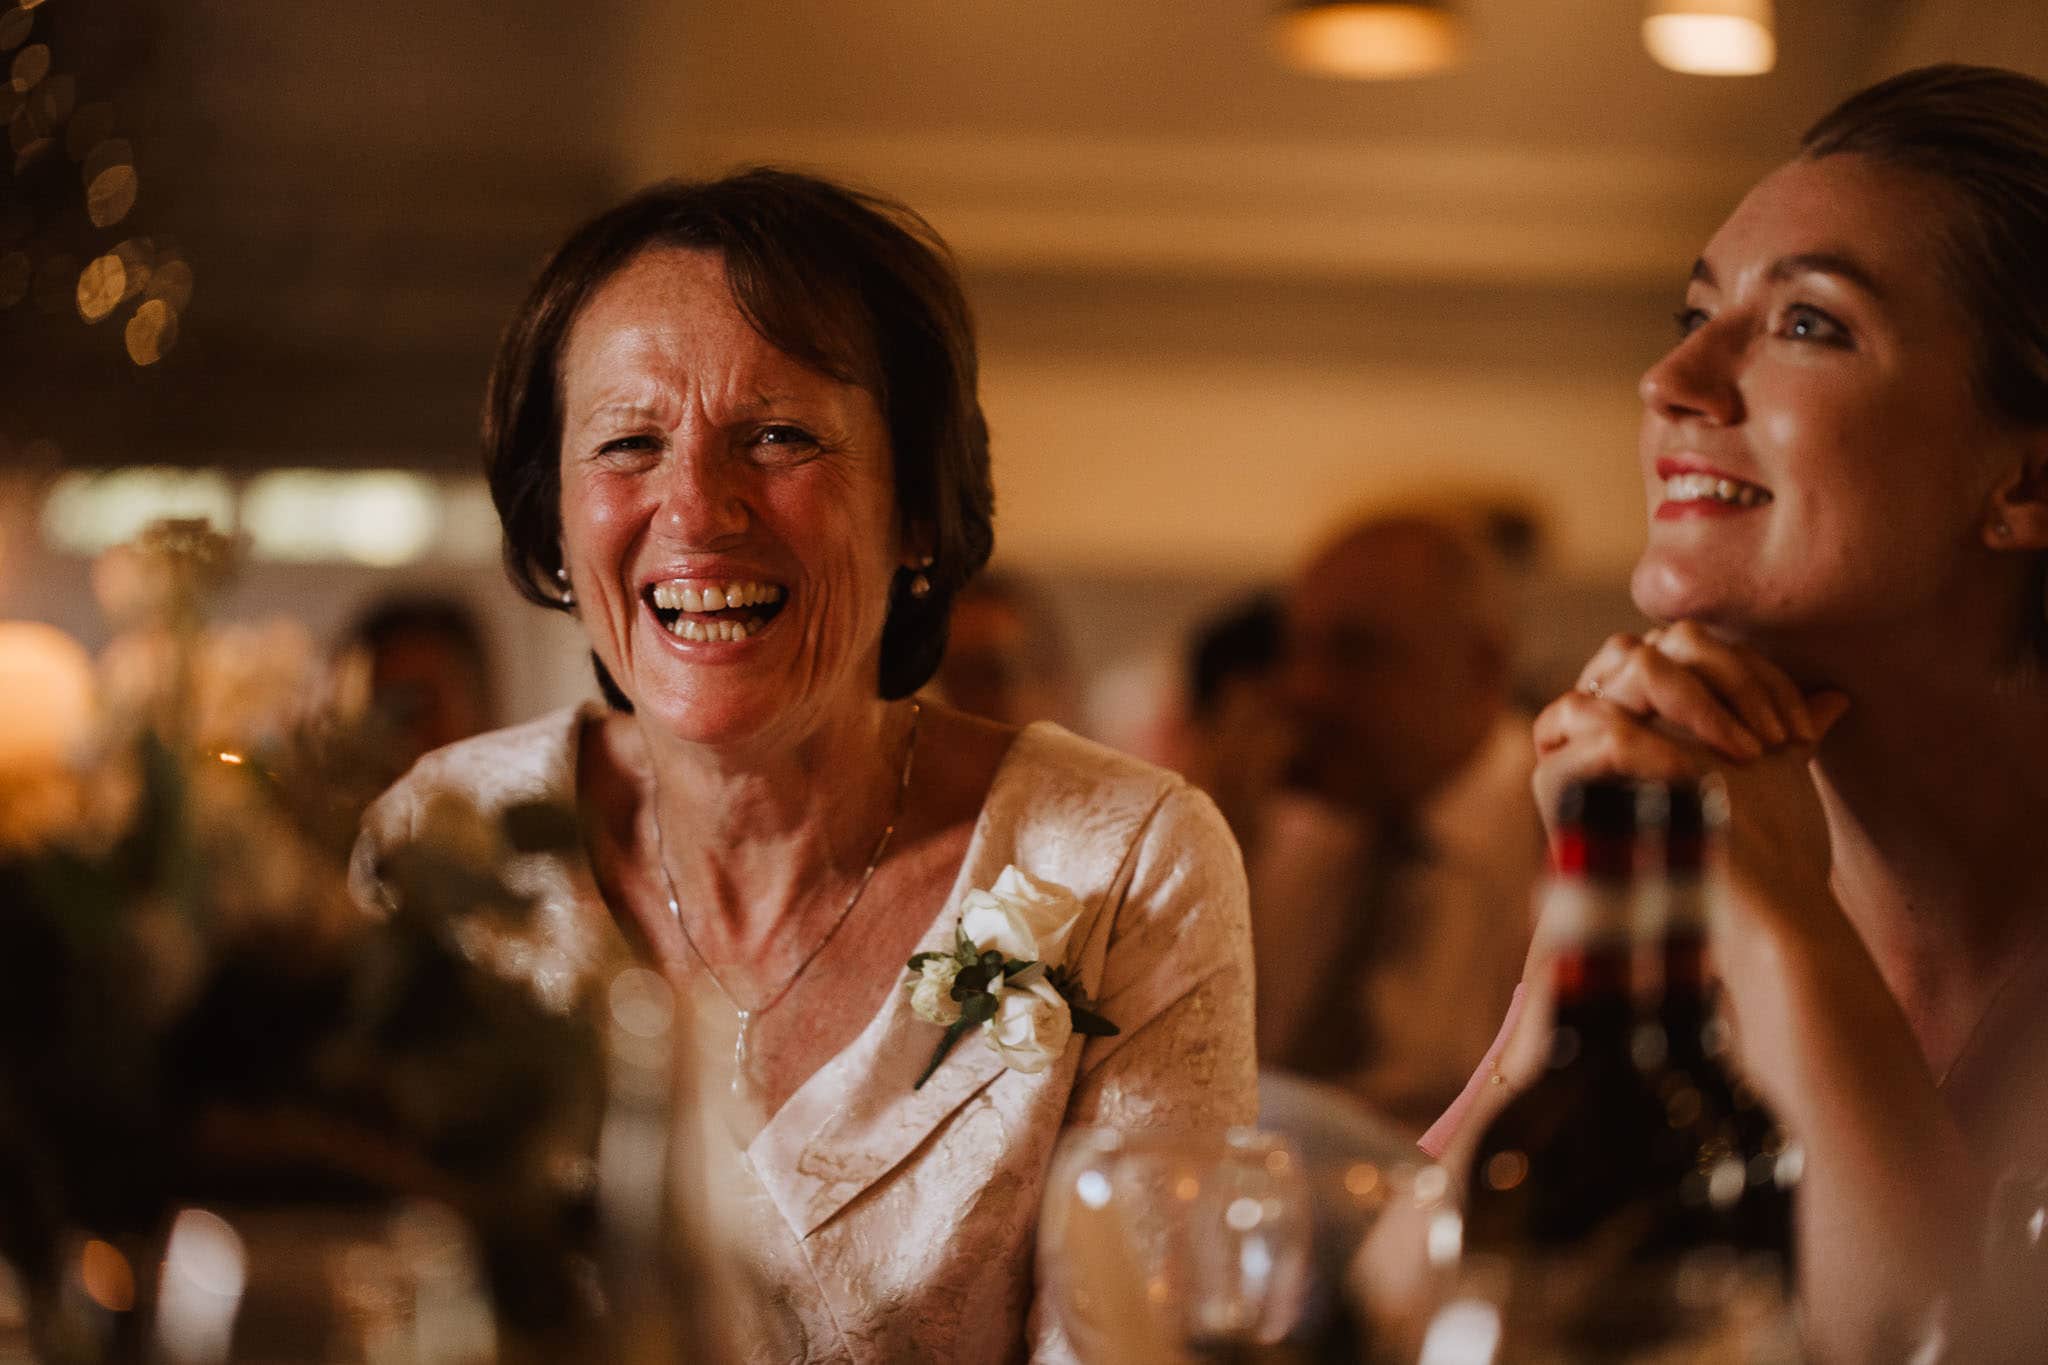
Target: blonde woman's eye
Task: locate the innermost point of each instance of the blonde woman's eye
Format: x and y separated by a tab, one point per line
1804	322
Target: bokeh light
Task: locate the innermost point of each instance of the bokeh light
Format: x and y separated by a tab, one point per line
205	1268
110	195
85	513
378	517
101	286
46	677
55	98
138	262
151	332
31	64
172	282
15	24
106	1276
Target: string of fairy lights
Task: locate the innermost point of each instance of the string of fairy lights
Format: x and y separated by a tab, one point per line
70	162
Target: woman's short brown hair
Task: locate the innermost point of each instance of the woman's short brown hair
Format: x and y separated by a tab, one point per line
857	287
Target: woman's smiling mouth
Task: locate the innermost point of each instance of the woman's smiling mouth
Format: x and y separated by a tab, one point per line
703	610
1691	489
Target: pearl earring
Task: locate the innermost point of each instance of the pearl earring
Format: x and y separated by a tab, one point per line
568	597
920	582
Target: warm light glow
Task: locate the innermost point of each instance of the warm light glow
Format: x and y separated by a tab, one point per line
106	1277
1712	37
108	173
47	679
1368	40
14	28
204	1271
110	195
151	332
138	262
379	517
101	286
31	64
172	282
87	513
1505	1170
1464	1332
1362	1179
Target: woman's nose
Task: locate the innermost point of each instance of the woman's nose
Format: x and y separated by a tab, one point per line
1697	378
705	502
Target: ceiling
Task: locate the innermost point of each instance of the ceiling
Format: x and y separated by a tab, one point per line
363	192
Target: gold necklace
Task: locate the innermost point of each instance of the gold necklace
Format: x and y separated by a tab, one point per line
748	1013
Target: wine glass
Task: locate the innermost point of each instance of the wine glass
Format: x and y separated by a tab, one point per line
1167	1245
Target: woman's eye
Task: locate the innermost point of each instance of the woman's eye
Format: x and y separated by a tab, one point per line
626	445
1689	320
781	441
1804	322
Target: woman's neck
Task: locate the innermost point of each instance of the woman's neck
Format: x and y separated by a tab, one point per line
1927	783
753	837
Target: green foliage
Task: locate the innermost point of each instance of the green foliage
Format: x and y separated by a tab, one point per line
158	1049
978	984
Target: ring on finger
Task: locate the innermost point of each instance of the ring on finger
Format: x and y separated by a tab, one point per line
1594	688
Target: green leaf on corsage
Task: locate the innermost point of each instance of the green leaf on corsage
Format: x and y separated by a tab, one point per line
953	1032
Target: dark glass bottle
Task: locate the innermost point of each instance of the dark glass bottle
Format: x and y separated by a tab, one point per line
1741	1176
1571	1182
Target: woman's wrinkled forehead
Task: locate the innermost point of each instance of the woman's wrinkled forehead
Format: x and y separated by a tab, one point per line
806	313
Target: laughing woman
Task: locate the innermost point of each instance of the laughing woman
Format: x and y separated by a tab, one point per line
1846	459
734	433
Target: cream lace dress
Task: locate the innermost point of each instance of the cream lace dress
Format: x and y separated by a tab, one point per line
892	1224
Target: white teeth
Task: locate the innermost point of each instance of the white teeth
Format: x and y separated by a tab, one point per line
674	596
687	628
691	604
1708	488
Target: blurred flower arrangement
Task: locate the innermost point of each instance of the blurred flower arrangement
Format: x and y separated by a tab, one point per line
192	1008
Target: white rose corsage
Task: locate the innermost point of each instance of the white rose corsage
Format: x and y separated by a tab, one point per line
1006	976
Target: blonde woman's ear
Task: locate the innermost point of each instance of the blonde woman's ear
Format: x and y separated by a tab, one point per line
2018	516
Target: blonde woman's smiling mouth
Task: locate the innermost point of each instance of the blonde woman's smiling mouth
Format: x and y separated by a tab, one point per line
702	610
1699	490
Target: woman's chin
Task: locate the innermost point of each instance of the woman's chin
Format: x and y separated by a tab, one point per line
710	716
1665	591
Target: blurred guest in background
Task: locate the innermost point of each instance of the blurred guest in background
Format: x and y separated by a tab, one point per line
735	431
1391	908
1006	654
1845	454
1236	740
425	670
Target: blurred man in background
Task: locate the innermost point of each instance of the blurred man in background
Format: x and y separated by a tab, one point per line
1235	740
1391	906
421	669
1007	656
